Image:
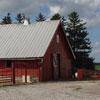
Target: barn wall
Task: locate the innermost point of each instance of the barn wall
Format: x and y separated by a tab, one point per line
66	57
22	67
30	68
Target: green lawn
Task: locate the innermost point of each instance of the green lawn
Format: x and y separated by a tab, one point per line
97	66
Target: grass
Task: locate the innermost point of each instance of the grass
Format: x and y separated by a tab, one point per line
97	67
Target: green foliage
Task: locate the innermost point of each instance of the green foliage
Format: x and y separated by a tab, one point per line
56	17
64	21
81	45
40	17
19	18
7	19
97	66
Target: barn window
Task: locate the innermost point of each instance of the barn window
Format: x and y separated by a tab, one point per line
8	63
57	38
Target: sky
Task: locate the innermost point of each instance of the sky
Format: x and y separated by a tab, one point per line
89	11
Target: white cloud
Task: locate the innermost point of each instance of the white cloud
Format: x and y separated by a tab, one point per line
88	9
97	44
54	10
26	6
96	54
93	21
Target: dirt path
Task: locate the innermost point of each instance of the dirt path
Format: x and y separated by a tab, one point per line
76	90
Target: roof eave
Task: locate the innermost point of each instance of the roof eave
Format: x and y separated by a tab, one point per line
25	58
68	41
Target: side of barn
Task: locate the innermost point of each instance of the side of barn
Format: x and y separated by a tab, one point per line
18	70
57	62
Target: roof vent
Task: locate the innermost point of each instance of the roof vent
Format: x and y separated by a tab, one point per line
26	20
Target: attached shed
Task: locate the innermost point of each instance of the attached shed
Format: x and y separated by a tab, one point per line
39	50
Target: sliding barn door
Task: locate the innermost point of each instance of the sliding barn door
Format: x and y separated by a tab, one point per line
56	66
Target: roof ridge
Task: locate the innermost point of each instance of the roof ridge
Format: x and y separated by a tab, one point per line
29	24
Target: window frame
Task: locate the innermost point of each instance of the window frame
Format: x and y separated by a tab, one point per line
57	38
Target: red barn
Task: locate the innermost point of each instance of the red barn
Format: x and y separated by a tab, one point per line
38	50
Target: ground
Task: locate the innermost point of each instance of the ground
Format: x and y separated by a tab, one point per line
69	90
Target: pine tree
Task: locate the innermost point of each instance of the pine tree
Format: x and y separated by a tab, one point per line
56	16
7	19
40	17
81	45
64	23
19	18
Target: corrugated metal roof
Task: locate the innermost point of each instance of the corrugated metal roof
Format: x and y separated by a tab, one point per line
26	41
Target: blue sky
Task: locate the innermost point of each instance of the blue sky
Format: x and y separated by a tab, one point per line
89	11
94	35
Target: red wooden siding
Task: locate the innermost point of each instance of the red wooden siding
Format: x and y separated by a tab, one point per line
32	71
5	71
31	68
5	75
65	57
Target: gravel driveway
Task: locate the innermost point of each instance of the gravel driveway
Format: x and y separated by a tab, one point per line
76	90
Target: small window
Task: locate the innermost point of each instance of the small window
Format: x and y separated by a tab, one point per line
57	38
8	64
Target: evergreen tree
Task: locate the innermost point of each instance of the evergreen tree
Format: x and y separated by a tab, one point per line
19	18
7	19
56	16
64	23
81	45
40	17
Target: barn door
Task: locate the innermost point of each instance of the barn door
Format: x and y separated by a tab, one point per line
24	73
56	66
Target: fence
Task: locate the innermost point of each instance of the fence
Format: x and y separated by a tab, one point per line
5	75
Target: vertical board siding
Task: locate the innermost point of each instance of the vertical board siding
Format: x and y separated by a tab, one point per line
65	57
31	68
25	68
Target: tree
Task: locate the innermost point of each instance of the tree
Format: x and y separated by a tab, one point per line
64	23
81	45
56	16
40	17
19	18
7	19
